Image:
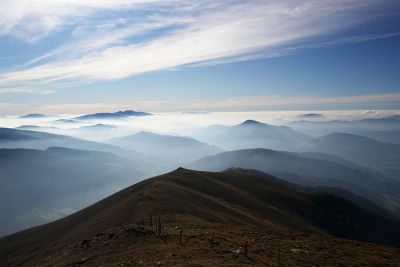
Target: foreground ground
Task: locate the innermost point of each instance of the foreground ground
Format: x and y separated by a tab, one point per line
137	245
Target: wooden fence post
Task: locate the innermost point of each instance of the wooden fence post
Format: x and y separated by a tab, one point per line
180	237
279	255
159	226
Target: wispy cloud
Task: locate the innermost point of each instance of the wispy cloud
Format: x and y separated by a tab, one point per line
35	19
231	104
166	34
25	90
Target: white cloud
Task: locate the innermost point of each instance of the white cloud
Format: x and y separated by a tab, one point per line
25	90
34	19
230	104
207	32
81	108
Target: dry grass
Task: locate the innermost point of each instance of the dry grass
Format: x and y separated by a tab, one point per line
124	246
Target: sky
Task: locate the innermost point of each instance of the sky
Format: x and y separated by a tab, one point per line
75	57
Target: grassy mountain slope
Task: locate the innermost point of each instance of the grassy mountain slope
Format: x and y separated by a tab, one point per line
233	199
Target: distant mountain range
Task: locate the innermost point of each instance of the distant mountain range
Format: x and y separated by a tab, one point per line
365	151
99	126
362	150
311	115
311	170
42	186
168	148
33	115
251	134
237	199
317	128
28	127
113	115
65	121
15	138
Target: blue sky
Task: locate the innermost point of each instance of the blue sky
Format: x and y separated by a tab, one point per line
83	56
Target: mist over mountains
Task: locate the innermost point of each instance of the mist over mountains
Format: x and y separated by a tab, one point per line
318	128
252	134
112	115
14	138
40	186
172	149
46	176
362	150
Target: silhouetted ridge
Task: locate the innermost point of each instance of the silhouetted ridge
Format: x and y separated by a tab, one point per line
251	122
112	115
33	115
180	169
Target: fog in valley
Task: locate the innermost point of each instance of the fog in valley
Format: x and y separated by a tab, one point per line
54	165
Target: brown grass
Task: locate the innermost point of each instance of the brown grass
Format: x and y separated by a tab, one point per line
266	247
237	207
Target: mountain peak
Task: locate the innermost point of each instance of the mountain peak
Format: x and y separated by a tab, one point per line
180	169
251	122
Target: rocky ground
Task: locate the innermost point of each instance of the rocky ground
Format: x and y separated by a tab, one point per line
219	245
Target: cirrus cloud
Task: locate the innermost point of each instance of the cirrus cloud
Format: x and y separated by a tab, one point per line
112	40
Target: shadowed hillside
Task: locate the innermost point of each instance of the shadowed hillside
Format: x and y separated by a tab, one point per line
235	199
362	150
310	169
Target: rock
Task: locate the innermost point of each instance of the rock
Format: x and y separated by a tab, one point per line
234	253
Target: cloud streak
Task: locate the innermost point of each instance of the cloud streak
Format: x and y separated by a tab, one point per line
172	34
25	90
256	103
